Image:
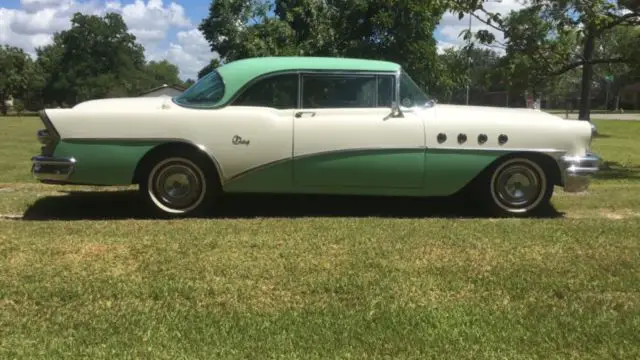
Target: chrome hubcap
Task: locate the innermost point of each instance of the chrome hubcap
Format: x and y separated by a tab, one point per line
177	185
518	186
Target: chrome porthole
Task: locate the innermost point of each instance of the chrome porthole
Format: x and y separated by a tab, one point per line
518	185
176	185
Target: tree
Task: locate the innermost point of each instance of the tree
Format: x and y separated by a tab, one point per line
552	37
18	106
96	57
19	76
209	68
162	72
395	30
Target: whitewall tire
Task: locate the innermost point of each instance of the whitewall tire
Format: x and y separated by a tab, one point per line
518	187
178	186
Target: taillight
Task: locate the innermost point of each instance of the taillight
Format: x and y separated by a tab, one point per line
47	136
43	136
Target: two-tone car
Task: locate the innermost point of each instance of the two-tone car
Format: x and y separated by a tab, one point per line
312	125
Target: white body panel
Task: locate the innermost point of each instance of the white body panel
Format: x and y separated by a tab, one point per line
269	131
526	129
273	135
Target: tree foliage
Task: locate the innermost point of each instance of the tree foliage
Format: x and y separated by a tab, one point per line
18	75
98	57
549	38
481	69
395	30
209	68
162	72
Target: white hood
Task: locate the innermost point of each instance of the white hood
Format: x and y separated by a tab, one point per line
489	113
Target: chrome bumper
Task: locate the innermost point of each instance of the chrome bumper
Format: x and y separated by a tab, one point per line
577	171
48	168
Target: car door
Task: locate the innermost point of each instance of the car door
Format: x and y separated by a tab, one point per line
344	137
258	134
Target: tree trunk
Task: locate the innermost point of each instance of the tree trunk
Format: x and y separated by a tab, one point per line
587	76
3	105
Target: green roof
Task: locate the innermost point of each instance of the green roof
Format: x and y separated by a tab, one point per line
237	73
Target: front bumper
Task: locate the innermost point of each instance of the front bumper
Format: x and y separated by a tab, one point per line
577	171
53	169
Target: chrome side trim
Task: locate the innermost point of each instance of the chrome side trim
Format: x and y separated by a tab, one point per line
322	153
549	151
258	168
361	150
577	170
211	157
49	168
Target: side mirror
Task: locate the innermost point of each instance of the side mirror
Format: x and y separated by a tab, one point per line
395	112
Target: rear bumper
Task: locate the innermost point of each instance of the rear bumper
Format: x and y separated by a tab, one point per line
577	171
52	169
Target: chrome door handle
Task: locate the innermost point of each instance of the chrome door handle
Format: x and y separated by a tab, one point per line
300	113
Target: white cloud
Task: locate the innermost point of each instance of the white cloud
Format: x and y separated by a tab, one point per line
150	21
443	45
34	22
450	26
190	53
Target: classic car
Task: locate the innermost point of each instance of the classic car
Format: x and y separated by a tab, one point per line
311	125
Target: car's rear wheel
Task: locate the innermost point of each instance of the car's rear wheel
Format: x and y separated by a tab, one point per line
517	187
179	185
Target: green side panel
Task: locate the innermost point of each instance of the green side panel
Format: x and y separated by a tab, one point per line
272	178
384	168
449	170
402	172
361	172
103	162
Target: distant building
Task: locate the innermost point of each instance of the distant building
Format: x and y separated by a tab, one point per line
164	90
9	102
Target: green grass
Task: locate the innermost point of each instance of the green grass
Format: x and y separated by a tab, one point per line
19	144
101	282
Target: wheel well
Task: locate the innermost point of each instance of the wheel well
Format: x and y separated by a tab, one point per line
548	164
173	148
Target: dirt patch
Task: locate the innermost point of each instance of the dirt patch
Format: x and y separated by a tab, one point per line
10	216
605	213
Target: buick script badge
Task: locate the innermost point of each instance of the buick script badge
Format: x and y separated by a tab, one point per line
237	140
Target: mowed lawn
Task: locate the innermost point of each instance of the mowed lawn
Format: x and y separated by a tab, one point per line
84	275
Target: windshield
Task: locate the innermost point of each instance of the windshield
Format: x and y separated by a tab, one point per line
206	92
410	93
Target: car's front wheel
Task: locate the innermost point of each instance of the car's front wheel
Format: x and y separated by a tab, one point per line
517	187
179	185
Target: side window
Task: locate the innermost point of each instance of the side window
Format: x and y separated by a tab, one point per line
385	90
327	91
280	92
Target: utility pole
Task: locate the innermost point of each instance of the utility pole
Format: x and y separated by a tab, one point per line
469	60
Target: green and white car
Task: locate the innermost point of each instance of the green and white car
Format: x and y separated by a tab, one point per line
315	126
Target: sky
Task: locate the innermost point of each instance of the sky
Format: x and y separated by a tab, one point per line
166	28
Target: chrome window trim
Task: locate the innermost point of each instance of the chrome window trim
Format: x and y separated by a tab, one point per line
301	73
224	91
253	82
346	74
